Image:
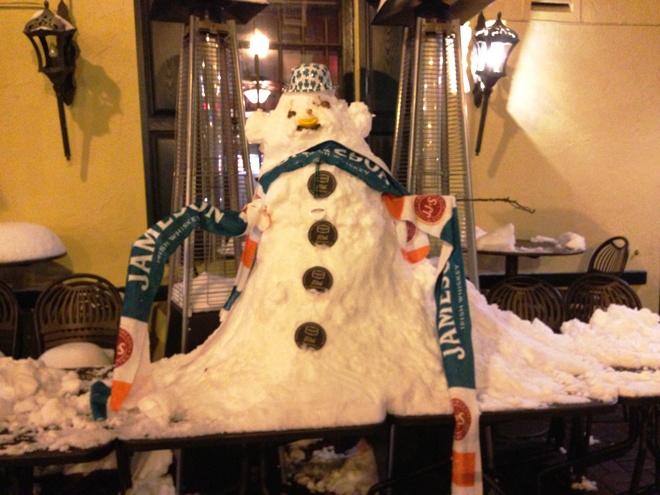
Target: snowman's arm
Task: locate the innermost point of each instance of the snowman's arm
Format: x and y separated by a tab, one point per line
362	117
255	126
256	215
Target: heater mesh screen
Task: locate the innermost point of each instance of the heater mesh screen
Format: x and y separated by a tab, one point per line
211	156
430	152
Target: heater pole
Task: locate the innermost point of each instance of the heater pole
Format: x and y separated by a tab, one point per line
186	312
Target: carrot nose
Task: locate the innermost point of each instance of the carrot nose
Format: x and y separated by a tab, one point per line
308	122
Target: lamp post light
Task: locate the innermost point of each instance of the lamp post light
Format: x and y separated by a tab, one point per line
51	36
256	95
493	46
259	44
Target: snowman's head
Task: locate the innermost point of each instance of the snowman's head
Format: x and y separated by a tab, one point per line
307	114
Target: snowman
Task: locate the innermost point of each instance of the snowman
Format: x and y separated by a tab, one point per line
333	321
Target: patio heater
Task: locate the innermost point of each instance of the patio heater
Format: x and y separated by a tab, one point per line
212	161
430	153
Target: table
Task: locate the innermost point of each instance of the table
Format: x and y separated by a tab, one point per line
642	420
126	447
578	455
19	468
644	414
643	428
529	249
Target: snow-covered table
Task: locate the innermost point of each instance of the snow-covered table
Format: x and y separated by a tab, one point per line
47	431
126	448
387	430
528	249
642	411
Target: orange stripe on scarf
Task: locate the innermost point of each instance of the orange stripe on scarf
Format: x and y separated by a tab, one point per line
394	205
416	255
250	251
463	465
120	391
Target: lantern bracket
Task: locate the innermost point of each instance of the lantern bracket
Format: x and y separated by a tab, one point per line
51	36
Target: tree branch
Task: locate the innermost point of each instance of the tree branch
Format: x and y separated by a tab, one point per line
512	202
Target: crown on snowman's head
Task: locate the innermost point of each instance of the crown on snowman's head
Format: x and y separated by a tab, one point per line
311	78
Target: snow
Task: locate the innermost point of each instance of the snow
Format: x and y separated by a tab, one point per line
520	364
381	353
503	239
525	364
50	404
326	471
77	355
585	484
24	241
248	374
279	138
571	240
208	292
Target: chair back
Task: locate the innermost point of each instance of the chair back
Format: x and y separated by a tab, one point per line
8	321
529	298
610	257
594	291
78	308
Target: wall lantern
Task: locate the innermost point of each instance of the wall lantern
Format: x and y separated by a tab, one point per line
493	46
51	36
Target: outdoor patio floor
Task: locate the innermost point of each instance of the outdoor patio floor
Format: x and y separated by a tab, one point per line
610	477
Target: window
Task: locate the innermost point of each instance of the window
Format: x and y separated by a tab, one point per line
298	30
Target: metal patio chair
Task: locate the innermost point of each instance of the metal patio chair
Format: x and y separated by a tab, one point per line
529	298
594	291
78	308
610	257
9	310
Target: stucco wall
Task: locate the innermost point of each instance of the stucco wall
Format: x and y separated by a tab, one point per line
95	203
574	132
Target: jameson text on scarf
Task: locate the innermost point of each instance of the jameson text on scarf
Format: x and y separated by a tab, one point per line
450	342
148	241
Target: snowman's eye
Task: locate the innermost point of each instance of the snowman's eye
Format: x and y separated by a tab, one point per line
292	113
325	104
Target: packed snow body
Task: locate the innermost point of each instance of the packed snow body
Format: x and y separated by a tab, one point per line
378	351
